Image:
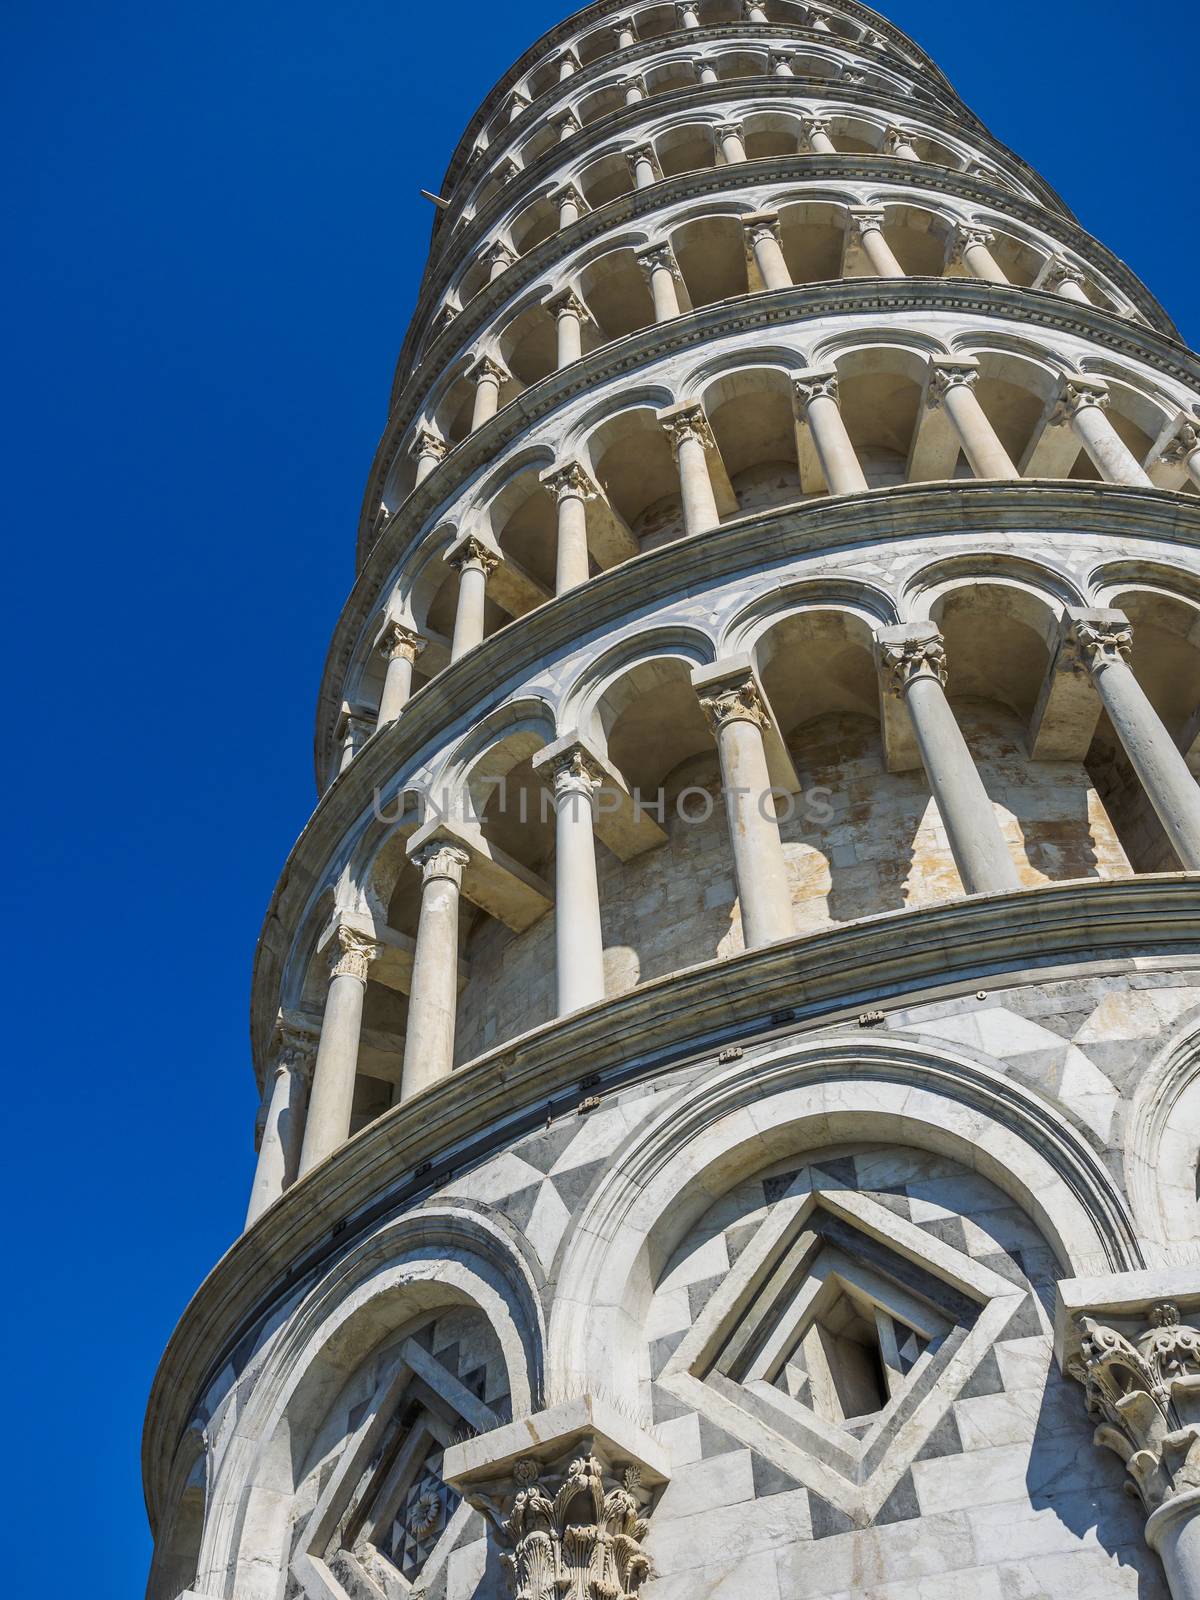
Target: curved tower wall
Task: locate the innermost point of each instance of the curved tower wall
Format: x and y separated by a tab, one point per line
727	1033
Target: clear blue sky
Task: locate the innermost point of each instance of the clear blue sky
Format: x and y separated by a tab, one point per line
214	240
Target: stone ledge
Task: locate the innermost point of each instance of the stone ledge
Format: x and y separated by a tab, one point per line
547	1435
1120	1297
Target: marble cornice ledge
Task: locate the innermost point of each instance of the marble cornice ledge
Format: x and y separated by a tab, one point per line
589	16
412	383
903	511
812	982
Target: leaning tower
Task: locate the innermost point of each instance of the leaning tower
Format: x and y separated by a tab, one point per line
729	1034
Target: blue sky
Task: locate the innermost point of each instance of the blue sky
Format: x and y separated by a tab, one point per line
215	238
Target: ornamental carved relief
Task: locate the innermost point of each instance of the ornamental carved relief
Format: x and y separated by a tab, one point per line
1101	643
906	661
1146	1395
740	702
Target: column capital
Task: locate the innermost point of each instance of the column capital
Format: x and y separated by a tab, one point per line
573	771
570	194
684	422
760	225
498	252
427	443
440	858
950	372
1059	270
781	58
732	699
852	75
641	152
568	56
636	81
487	368
444	317
620	26
396	641
569	482
1099	638
568	120
352	952
814	124
508	169
471	551
687	8
819	383
1076	393
1184	442
660	257
866	219
352	722
518	101
566	303
895	136
908	653
295	1048
1143	1391
967	237
729	130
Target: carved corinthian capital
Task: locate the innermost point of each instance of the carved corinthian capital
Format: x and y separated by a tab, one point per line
441	859
1101	639
575	772
397	642
817	384
569	482
904	660
735	702
1077	394
472	552
686	422
1146	1397
352	953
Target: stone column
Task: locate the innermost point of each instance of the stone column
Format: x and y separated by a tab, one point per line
570	314
1065	280
283	1129
624	34
499	258
662	273
737	716
400	646
686	11
1082	403
488	375
867	224
571	205
899	142
971	246
913	661
474	562
1145	1396
817	397
428	451
568	65
578	939
731	138
572	489
818	23
328	1122
642	166
1184	450
707	72
635	90
781	64
952	384
433	997
691	439
518	104
755	12
816	131
1104	642
568	125
762	235
352	732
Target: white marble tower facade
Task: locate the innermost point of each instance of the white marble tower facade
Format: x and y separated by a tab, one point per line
729	1034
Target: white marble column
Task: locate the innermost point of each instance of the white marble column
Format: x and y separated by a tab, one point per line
474	562
731	140
755	12
488	375
706	71
635	90
427	451
517	104
688	13
578	938
327	1125
973	247
568	125
433	996
817	22
623	34
781	64
643	168
499	258
400	647
913	661
570	314
691	439
817	401
1104	642
658	262
736	713
568	65
952	384
1065	280
352	732
1142	1392
1082	403
762	236
283	1128
816	132
867	225
572	489
571	205
899	142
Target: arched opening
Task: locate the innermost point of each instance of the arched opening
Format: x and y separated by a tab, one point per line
751	416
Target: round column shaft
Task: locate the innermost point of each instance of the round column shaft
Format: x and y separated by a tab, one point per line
433	997
916	667
327	1125
875	247
762	232
692	439
401	647
475	563
572	489
641	167
1084	402
635	91
817	396
817	133
953	385
732	142
578	937
661	272
428	451
973	244
569	314
283	1130
488	375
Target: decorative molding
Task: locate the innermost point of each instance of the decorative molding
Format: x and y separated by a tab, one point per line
735	702
905	660
352	953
